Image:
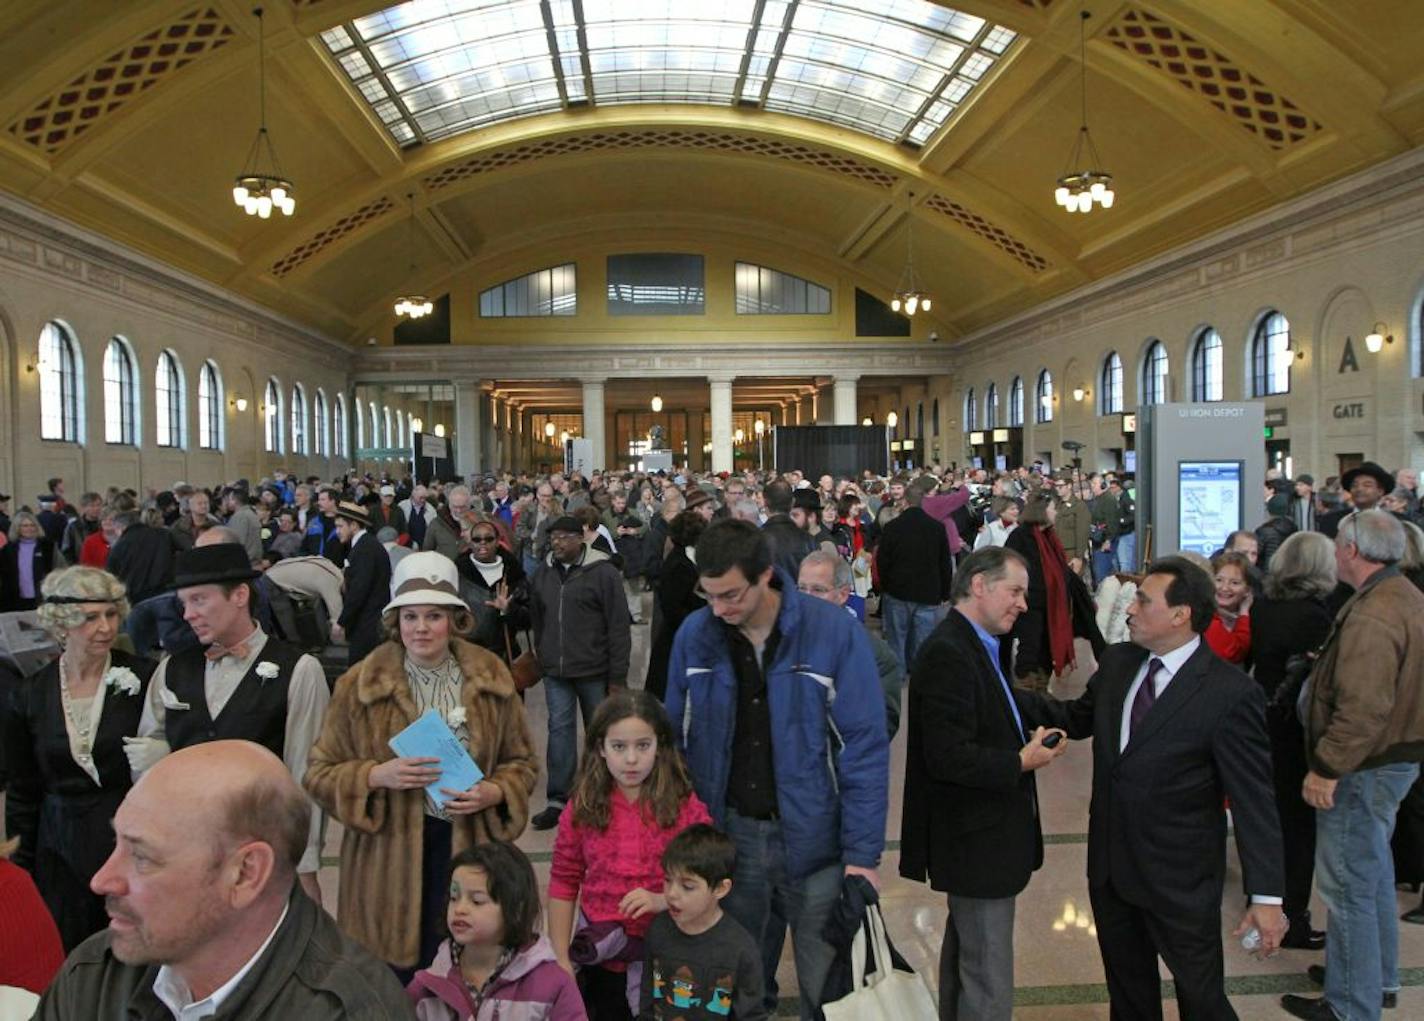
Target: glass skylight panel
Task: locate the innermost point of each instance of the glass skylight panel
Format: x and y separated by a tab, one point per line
434	68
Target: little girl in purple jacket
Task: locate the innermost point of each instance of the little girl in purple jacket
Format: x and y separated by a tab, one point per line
495	966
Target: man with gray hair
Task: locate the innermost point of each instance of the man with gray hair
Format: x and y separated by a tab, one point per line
1363	710
205	916
443	534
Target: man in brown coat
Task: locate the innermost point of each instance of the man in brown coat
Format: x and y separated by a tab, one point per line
1363	710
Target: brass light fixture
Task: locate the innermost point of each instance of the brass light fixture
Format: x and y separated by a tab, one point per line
414	305
262	187
1080	392
909	296
1079	188
1377	338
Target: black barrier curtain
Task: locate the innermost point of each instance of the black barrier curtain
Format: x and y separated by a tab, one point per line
832	449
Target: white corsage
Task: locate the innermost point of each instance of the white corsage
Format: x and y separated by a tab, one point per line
267	670
123	680
455	717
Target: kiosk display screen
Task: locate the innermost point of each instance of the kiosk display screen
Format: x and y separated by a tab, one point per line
1209	504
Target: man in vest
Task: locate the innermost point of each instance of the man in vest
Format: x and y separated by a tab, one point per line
239	684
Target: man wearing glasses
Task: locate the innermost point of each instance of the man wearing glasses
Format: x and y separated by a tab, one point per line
776	701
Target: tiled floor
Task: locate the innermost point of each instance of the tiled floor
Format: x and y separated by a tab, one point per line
1058	970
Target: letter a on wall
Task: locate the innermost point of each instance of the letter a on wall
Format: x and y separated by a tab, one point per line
1347	358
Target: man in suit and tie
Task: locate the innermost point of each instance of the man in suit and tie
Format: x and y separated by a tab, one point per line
970	821
1175	729
367	588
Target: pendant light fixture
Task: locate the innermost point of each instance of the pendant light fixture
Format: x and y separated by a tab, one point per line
1079	188
415	305
909	297
260	187
657	403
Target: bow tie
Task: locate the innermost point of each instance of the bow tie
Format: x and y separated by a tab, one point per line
217	652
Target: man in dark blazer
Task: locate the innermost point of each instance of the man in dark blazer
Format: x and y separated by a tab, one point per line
1175	729
367	588
970	820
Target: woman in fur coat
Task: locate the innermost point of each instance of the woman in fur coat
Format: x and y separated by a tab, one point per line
396	849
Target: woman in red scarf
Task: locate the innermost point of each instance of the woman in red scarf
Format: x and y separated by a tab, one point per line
1045	632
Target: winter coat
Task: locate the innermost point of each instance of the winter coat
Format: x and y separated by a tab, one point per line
531	987
379	899
498	634
581	622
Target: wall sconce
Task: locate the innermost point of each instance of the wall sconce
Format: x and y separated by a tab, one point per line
32	359
1081	392
240	403
1377	338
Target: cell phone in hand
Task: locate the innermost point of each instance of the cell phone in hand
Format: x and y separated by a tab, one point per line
1053	740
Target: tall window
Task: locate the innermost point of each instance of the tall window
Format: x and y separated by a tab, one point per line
120	394
934	414
168	400
971	410
389	435
360	427
1271	356
299	419
991	406
1043	398
400	428
209	408
1111	385
764	291
375	426
655	284
59	384
272	417
545	292
1016	402
320	446
1154	374
338	426
1206	366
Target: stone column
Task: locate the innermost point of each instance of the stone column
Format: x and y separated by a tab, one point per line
467	426
721	387
845	387
593	421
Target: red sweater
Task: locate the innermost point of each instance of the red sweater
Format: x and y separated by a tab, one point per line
1234	645
30	951
95	551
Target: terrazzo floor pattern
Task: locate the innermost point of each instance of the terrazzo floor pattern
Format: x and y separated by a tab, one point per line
1058	971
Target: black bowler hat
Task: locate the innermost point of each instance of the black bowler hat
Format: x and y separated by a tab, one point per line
213	565
1374	471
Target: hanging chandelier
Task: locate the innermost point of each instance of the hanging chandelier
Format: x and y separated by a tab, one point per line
909	296
1078	189
260	187
415	305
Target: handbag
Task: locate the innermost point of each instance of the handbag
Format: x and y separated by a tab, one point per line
886	995
524	668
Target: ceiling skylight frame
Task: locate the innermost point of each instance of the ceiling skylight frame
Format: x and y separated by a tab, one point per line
898	75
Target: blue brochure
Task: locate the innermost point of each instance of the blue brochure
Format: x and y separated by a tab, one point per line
430	737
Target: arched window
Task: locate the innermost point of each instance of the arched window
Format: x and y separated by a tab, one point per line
1207	366
389	435
409	429
210	415
299	419
971	410
991	406
920	420
168	400
320	447
375	426
1016	402
272	417
360	427
1043	403
1271	356
1110	386
934	414
400	427
120	394
1154	374
59	384
338	426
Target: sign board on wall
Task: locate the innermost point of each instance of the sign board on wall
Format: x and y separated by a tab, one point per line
434	446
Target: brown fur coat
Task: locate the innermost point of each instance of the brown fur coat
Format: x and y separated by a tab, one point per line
379	899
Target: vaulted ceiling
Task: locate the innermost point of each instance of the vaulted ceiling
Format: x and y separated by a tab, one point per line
132	119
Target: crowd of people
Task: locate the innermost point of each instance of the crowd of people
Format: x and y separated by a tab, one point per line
234	664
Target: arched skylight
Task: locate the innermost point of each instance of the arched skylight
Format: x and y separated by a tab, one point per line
435	68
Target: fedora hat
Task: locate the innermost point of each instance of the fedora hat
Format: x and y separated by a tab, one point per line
1374	471
213	565
353	512
426	579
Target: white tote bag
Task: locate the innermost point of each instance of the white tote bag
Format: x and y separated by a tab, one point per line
888	995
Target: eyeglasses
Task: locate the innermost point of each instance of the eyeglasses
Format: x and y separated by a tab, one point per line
482	538
816	590
731	598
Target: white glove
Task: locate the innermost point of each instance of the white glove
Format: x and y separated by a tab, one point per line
143	752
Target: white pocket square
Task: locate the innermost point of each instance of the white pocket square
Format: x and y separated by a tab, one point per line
170	700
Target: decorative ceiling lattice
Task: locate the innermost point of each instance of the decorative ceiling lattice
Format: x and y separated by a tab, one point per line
1213	76
64	115
995	235
706	141
897	72
330	235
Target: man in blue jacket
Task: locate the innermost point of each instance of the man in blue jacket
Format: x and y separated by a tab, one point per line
777	703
